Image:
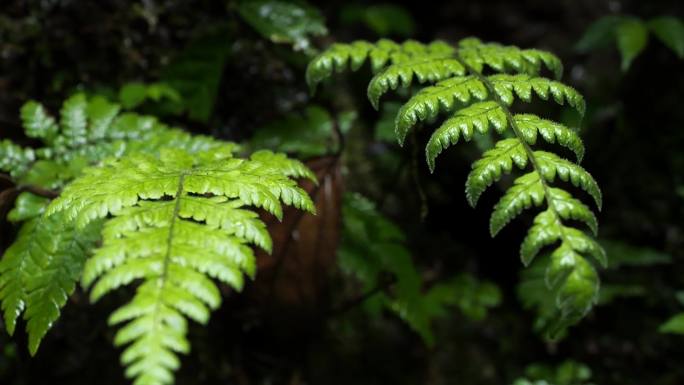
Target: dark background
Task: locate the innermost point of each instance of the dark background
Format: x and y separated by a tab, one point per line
634	134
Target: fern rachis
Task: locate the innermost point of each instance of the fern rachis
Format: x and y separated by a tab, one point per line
457	85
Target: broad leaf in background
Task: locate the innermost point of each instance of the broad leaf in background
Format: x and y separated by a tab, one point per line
372	247
383	19
292	22
531	293
630	35
308	134
567	373
676	323
673	325
670	30
133	94
197	70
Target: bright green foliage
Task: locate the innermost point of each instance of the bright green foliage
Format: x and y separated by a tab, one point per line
567	373
291	22
631	35
372	246
178	221
40	269
89	130
616	285
475	84
340	56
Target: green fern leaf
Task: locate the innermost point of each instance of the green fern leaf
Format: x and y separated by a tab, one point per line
14	159
531	126
37	122
523	86
476	117
27	206
74	119
551	165
430	69
570	208
39	271
493	164
449	94
507	58
576	282
178	221
526	192
342	56
90	130
442	97
475	100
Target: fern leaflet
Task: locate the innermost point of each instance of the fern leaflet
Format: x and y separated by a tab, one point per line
40	269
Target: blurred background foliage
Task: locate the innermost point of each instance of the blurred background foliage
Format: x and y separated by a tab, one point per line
396	281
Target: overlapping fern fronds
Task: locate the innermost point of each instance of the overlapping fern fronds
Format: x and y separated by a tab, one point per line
40	269
89	130
474	85
177	222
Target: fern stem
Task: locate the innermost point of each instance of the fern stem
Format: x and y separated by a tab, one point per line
516	131
169	241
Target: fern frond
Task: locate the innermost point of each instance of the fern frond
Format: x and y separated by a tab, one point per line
475	84
89	130
339	57
39	271
178	221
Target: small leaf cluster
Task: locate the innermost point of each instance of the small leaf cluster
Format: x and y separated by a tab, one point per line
373	250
